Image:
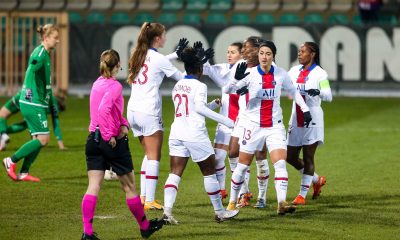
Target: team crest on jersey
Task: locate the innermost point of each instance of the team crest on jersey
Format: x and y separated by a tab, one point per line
28	94
244	142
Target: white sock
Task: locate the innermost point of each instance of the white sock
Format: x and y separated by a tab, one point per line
143	177
305	184
151	179
233	163
262	178
211	186
245	185
237	181
220	169
315	176
170	192
281	180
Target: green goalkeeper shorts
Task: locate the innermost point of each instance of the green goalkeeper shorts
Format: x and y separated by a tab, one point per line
36	118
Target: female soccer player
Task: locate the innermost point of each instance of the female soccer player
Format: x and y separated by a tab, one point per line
221	74
250	55
11	107
262	120
189	136
34	101
107	145
147	69
312	83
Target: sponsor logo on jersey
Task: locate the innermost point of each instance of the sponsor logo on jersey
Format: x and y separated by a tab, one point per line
267	93
301	88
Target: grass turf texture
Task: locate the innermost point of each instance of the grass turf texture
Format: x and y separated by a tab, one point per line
360	201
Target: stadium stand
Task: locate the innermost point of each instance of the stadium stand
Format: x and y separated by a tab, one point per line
142	17
317	5
289	18
96	17
124	5
196	5
216	18
191	19
120	18
100	5
341	5
170	5
244	5
313	18
292	5
220	5
149	5
53	5
338	18
77	4
240	18
269	5
8	5
167	18
264	18
75	17
29	4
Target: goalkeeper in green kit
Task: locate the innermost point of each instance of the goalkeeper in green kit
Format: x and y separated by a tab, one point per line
34	102
11	107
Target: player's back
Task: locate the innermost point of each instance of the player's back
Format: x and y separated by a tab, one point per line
145	94
189	125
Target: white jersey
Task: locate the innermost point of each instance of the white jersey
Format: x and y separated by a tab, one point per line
221	74
311	78
190	96
145	94
263	108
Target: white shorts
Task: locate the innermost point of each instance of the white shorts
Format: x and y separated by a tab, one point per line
255	137
305	136
143	124
222	135
199	151
238	129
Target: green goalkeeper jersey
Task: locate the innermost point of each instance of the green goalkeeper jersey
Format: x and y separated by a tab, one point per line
36	90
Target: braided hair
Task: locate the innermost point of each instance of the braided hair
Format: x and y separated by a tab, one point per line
313	47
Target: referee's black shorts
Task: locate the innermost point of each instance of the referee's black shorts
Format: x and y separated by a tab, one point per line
101	156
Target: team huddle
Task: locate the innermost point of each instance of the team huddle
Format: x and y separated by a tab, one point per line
250	124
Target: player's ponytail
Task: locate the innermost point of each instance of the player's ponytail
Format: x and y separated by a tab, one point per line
46	30
109	61
145	40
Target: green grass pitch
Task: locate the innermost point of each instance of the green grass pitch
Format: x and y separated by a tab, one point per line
361	160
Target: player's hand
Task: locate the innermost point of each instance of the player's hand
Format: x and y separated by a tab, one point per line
61	145
241	71
112	142
313	92
244	90
217	101
197	45
123	131
209	53
183	42
307	118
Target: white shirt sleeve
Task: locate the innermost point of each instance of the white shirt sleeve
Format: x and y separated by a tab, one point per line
217	74
170	70
202	109
172	56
